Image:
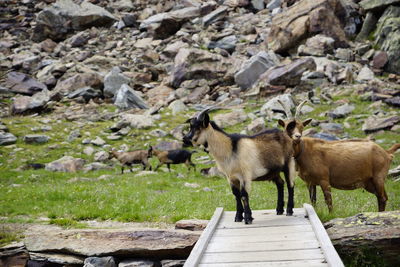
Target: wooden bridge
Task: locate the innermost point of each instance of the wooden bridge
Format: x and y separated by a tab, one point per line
299	240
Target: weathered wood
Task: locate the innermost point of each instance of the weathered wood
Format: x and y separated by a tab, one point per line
272	237
330	253
201	244
302	263
263	230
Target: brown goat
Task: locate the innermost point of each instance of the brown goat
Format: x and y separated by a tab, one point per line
346	165
175	156
133	157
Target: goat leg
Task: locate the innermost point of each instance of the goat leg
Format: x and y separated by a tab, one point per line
279	186
248	219
239	206
290	204
312	190
326	188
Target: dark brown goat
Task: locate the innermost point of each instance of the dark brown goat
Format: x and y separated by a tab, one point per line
133	157
175	156
346	165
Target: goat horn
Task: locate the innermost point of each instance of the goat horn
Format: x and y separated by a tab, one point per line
298	109
287	112
203	112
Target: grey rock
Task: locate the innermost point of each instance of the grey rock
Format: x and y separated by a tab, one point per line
374	124
231	118
368	26
127	98
172	263
256	126
66	164
64	16
344	54
26	104
158	133
272	105
136	263
166	145
137	121
274	4
78	81
325	136
88	150
393	101
177	106
329	127
96	166
318	45
101	156
377	4
113	82
98	141
216	15
341	111
258	4
36	139
7	139
365	74
227	43
21	83
191	225
99	262
74	135
56	258
254	68
86	92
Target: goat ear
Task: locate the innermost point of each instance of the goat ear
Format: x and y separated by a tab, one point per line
291	125
281	123
205	120
188	120
306	122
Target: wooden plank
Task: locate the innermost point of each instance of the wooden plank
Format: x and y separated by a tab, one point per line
263	230
201	244
260	238
330	253
262	246
257	256
297	263
265	221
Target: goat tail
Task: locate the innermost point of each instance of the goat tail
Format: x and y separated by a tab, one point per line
393	149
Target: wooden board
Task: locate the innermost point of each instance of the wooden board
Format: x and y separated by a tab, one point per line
264	230
297	263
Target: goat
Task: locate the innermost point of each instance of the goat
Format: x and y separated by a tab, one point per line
133	157
345	164
175	156
246	158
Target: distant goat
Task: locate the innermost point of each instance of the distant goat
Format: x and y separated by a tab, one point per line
133	157
246	158
346	165
176	156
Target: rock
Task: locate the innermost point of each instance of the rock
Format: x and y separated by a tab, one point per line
318	45
172	263
165	145
387	37
113	81
177	106
344	54
56	258
158	94
216	15
306	18
368	5
374	124
191	225
393	101
27	104
65	164
127	98
99	262
21	83
254	67
101	156
272	105
36	139
325	136
341	111
88	150
163	25
172	49
289	75
227	43
7	139
98	141
86	92
365	74
188	63
138	121
78	81
64	16
121	242
274	4
258	4
230	119
379	61
136	263
368	26
14	254
256	126
395	172
366	235
335	128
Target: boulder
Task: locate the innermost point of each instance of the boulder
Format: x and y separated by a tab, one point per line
366	236
78	81
289	75
14	254
127	98
374	124
227	43
137	263
272	105
177	106
318	45
332	128
306	18
231	118
27	104
191	225
64	16
113	81
56	258
36	139
387	37
341	111
86	93
121	242
218	14
7	139
66	164
374	5
20	83
166	145
365	74
256	126
196	64
254	68
100	262
137	121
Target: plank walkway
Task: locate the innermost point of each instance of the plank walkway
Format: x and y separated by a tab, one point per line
299	240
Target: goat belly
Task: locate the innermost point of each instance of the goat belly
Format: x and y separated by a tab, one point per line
176	156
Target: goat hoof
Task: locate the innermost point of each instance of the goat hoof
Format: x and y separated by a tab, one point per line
248	221
279	212
289	213
238	219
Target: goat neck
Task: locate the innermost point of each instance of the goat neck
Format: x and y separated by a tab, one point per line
219	144
298	147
